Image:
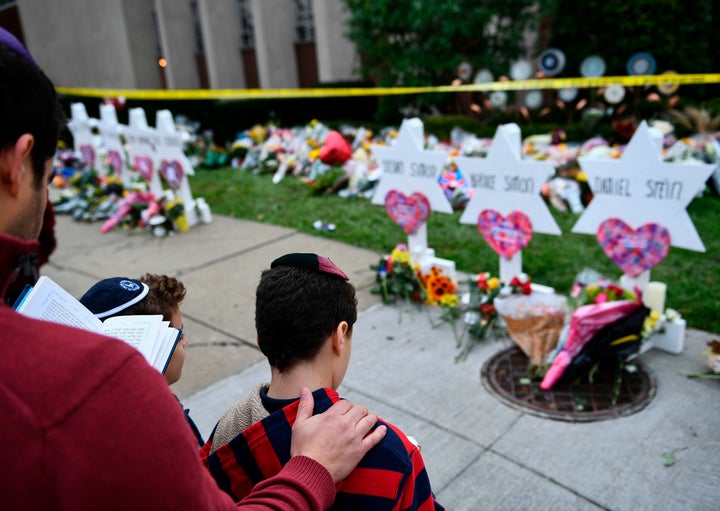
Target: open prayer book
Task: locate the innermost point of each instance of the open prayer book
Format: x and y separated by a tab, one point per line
150	335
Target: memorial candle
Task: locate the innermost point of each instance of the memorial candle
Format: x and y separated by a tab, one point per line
654	296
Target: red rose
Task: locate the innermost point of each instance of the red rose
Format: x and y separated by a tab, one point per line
488	310
616	289
482	282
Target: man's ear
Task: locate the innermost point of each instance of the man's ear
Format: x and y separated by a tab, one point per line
338	337
13	162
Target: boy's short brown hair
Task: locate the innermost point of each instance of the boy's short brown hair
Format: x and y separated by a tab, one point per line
297	308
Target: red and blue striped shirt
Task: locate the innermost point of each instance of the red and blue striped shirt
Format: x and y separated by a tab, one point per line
391	476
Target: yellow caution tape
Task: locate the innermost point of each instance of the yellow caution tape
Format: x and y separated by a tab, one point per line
666	80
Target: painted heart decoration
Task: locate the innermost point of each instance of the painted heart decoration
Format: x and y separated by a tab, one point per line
172	172
88	154
633	250
410	213
144	165
115	161
505	235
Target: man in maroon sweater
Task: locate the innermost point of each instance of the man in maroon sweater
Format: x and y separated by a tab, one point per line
85	422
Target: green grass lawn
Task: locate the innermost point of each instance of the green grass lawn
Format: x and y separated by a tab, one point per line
550	260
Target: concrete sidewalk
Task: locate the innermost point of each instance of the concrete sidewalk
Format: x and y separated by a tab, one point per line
479	452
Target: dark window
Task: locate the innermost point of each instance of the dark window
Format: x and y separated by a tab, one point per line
304	27
247	28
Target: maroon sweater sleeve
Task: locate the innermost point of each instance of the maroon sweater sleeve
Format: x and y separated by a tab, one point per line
302	484
162	470
105	432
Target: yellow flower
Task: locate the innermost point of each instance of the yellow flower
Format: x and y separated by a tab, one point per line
400	256
449	300
258	133
650	322
593	290
493	283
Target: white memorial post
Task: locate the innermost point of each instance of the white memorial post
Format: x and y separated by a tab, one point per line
639	209
111	131
409	190
173	164
141	140
506	204
80	126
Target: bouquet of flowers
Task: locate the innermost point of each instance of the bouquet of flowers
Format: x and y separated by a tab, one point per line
591	287
397	278
607	328
175	211
534	322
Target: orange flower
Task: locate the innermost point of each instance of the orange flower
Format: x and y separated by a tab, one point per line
439	286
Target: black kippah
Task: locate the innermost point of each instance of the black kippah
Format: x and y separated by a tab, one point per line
311	262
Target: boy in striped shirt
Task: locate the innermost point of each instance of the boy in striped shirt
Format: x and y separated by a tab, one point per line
305	310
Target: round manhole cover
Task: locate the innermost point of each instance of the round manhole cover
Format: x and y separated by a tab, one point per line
505	376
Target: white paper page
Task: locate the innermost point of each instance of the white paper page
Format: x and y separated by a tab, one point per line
140	332
50	302
162	332
167	348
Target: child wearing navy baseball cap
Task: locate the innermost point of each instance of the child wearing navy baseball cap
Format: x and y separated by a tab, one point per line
151	294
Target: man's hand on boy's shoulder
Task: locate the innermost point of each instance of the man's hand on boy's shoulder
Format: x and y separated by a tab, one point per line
337	438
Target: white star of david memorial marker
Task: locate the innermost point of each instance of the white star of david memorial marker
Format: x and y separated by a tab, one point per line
505	182
173	164
110	130
142	140
639	188
409	168
84	143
